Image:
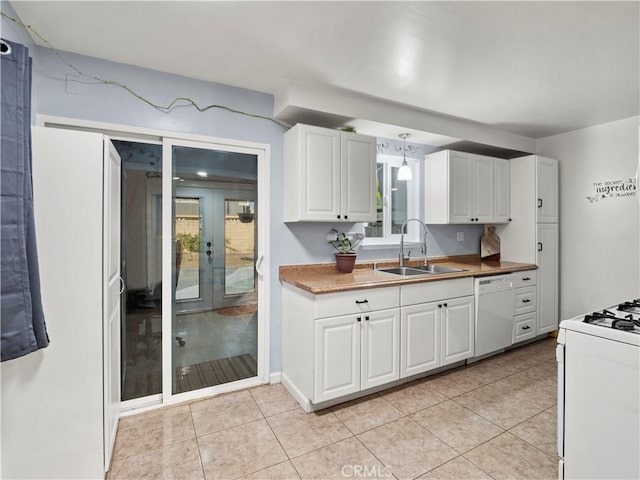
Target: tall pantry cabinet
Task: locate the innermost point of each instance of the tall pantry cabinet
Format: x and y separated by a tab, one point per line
532	235
61	404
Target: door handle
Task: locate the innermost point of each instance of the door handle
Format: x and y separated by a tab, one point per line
121	286
258	266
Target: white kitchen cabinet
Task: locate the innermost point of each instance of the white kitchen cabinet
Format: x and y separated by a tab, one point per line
419	339
465	188
457	319
330	176
501	191
439	331
337	357
525	312
340	343
547	187
547	260
532	235
355	352
62	403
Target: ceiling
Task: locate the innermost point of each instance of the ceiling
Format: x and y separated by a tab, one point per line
528	68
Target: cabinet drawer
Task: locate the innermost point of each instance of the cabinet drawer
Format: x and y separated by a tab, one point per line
524	327
433	291
524	279
525	300
356	301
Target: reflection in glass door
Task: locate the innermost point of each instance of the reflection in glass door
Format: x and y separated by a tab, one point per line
215	319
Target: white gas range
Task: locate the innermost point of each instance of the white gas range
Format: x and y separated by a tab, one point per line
599	394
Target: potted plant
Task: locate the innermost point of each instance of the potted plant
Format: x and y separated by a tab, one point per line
346	245
246	216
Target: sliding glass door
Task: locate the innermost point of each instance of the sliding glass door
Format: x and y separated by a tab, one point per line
190	243
214	288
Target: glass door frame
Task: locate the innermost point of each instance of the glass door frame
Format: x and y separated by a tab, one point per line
262	265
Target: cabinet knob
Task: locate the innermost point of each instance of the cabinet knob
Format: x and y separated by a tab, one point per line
338	217
366	318
439	305
359	318
346	217
509	219
445	304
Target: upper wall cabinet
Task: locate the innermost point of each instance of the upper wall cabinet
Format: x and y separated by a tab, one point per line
547	188
466	188
329	176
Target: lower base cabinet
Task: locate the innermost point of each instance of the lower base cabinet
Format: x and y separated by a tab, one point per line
436	334
355	352
339	344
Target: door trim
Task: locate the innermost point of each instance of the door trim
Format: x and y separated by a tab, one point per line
263	151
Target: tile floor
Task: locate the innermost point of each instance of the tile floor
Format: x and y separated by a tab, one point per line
492	419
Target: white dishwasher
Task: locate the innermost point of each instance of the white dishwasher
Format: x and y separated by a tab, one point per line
495	303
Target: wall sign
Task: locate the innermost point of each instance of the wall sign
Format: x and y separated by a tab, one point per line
613	189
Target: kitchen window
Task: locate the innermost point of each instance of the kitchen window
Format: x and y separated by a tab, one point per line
396	201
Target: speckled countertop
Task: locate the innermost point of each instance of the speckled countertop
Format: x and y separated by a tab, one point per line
325	278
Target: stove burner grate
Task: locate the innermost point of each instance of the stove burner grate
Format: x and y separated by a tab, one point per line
632	305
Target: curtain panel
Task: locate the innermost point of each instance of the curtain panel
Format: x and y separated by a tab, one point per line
23	327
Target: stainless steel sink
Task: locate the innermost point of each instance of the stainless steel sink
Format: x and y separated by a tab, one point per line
420	270
438	269
404	271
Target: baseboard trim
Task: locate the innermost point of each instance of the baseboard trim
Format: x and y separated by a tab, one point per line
297	394
275	377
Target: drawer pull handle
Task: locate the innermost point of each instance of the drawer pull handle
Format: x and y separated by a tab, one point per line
362	301
526	279
526	300
526	327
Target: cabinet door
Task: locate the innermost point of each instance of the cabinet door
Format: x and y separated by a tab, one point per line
547	277
501	191
482	189
457	330
419	338
358	186
319	180
547	187
380	342
337	357
460	188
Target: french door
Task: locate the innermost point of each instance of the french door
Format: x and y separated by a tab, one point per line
215	247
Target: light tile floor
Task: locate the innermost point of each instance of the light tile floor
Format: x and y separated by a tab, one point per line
492	419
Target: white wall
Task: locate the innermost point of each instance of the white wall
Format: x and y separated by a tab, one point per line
599	240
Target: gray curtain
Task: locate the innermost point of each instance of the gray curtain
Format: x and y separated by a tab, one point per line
23	327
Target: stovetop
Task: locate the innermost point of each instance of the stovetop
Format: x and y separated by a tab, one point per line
624	317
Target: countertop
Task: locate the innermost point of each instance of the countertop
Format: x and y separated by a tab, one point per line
325	278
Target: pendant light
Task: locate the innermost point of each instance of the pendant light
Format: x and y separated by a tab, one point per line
404	173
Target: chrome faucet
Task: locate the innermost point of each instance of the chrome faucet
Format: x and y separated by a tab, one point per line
424	240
